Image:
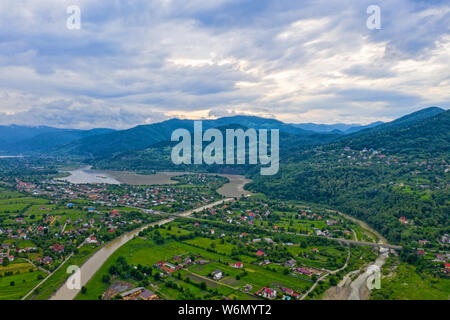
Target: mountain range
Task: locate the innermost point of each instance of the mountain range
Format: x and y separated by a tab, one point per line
104	143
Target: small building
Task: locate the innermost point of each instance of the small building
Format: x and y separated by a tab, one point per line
447	268
148	295
268	293
132	294
217	274
58	248
259	253
303	271
237	265
290	263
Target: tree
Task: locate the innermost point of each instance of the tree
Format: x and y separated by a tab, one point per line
106	278
83	290
333	280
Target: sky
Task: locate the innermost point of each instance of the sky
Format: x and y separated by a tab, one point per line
136	62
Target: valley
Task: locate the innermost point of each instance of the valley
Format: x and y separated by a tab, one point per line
139	226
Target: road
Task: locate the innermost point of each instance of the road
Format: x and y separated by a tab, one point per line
37	267
47	277
359	243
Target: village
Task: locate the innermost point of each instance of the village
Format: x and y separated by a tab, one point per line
247	248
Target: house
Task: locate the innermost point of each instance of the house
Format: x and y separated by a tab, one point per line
91	240
114	213
423	242
440	258
248	287
160	264
268	293
332	222
132	294
58	248
47	260
403	220
169	267
303	271
148	295
237	265
447	268
217	274
264	263
259	253
288	291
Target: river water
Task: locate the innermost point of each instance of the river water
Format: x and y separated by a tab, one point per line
360	281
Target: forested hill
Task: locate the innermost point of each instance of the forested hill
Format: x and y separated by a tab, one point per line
140	138
426	131
377	175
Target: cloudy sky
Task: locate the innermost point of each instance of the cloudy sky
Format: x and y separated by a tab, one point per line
143	61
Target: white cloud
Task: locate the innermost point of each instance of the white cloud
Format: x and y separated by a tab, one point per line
144	61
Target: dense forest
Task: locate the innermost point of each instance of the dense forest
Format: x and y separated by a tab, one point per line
377	175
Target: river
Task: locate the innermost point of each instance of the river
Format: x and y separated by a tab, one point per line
234	188
358	284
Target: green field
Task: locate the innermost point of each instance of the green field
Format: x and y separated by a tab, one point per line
407	284
58	278
23	280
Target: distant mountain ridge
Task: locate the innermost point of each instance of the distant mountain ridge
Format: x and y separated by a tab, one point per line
103	142
25	139
342	128
145	136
